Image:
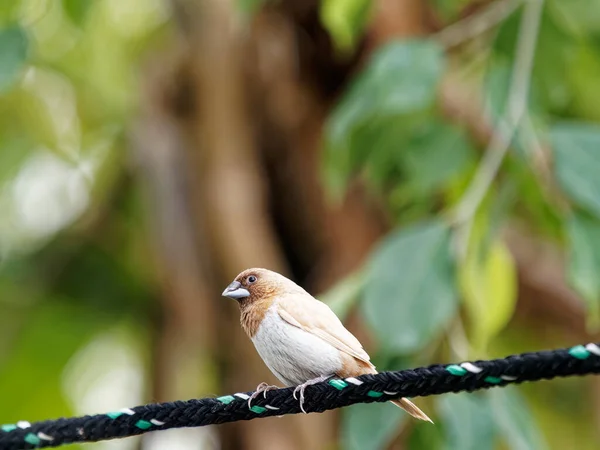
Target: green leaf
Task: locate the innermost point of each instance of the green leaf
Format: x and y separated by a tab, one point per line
401	78
488	280
370	426
409	293
13	52
575	16
376	146
514	421
435	155
345	21
497	90
552	61
583	234
9	11
77	10
497	83
583	73
341	297
530	198
467	422
577	162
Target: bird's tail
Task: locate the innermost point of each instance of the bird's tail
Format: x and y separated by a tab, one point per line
411	408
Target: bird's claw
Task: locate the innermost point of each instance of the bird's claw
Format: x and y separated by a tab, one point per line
300	388
262	388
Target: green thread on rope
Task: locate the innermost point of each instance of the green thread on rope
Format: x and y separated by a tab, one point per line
374	394
32	439
8	427
579	352
143	424
493	380
456	370
258	409
338	384
226	399
114	414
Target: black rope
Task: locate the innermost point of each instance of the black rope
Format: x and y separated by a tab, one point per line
432	380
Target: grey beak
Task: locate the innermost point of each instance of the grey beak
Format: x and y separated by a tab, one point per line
235	291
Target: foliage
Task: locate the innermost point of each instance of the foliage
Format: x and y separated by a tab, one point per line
399	80
577	159
345	20
488	282
468	422
74	262
394	299
13	51
389	130
583	235
66	89
370	426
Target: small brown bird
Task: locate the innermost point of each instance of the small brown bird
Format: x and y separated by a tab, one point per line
299	338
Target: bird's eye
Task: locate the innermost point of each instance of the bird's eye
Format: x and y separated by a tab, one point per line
251	279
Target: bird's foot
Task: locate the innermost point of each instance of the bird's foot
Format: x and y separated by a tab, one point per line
303	386
262	388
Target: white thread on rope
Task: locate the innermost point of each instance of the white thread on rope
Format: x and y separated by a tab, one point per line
471	367
44	436
242	396
593	348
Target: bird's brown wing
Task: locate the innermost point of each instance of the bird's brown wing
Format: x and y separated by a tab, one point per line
311	315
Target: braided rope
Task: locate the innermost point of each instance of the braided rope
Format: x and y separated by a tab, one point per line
335	393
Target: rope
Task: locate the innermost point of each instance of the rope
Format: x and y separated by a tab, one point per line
335	393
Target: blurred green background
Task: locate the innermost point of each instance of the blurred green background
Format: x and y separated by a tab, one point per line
431	169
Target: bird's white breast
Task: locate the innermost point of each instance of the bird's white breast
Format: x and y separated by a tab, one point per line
293	355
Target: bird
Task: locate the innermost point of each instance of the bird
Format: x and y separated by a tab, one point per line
299	338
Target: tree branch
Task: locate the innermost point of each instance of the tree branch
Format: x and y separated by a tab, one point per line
504	132
476	24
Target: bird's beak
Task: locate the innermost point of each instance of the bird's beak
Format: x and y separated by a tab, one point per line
235	291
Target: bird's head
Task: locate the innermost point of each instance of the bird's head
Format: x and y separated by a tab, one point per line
256	284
